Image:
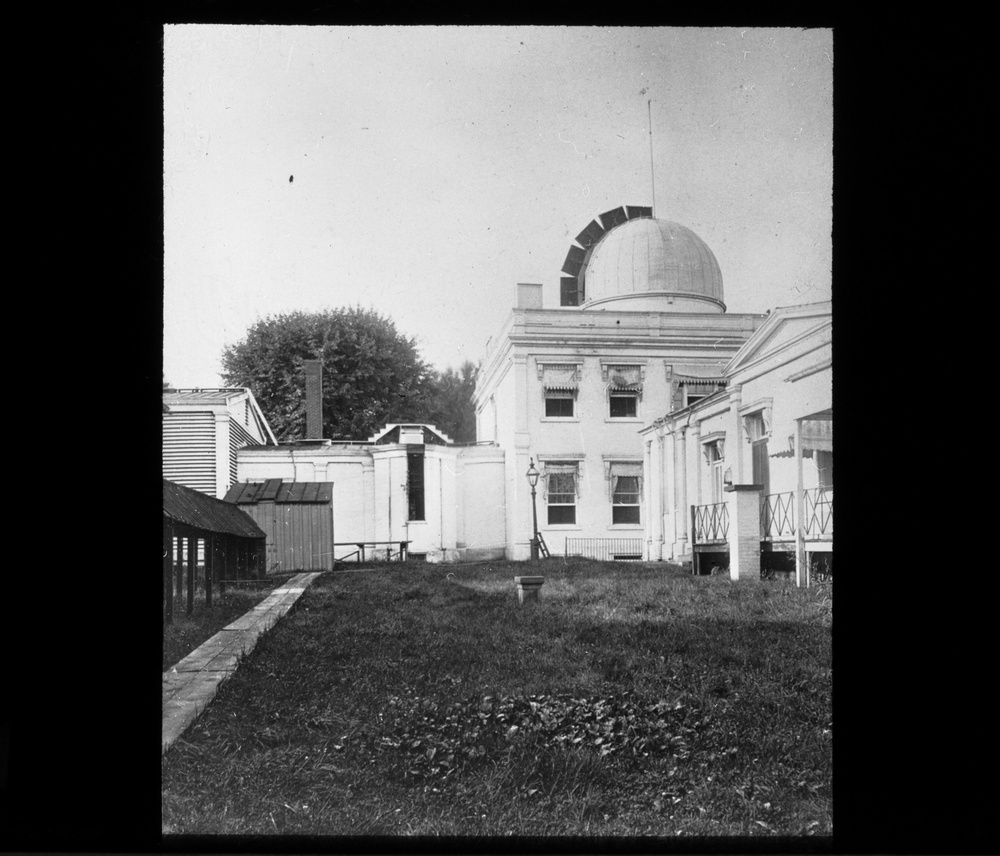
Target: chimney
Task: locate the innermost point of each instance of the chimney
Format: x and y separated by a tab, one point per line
529	295
314	399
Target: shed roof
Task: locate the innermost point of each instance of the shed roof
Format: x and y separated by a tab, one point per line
202	396
276	490
193	508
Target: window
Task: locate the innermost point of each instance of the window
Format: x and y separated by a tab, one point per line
415	484
715	457
757	425
824	467
760	467
624	389
558	404
560	493
560	382
626	493
693	391
623	405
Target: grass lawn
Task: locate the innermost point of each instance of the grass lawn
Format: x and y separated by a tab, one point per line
185	634
423	700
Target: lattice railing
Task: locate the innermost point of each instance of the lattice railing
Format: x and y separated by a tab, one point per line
711	523
605	549
777	515
819	511
777	512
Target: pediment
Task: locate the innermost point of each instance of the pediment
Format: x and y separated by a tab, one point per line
783	329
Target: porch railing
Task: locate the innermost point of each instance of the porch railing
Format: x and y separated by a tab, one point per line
819	511
605	549
777	513
777	516
710	523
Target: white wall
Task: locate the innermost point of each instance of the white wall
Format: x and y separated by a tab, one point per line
481	517
464	494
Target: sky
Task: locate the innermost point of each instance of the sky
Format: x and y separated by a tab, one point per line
424	171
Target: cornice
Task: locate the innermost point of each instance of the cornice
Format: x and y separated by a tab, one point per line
810	370
633	295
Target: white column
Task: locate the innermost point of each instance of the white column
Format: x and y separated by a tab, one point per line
736	445
663	476
369	527
696	472
654	519
682	499
519	531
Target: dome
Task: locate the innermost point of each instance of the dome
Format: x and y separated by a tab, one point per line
644	262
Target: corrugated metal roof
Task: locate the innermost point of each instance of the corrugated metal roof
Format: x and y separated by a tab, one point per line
276	490
200	396
184	505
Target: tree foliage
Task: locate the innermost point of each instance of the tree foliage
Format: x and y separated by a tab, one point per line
450	406
372	375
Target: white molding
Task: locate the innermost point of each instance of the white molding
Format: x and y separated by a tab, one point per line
811	370
755	406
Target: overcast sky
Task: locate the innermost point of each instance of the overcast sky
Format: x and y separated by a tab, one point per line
424	171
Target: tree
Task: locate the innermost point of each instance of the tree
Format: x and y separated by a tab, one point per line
372	374
450	407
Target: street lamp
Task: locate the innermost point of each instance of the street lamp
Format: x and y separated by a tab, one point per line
533	481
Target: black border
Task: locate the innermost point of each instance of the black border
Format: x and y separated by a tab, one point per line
80	742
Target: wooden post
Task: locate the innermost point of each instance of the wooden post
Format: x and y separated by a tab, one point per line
168	571
192	564
218	564
208	571
799	510
179	561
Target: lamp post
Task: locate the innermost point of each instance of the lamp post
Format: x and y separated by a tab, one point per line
533	481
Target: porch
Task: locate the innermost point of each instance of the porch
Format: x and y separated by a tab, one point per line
778	533
709	535
785	533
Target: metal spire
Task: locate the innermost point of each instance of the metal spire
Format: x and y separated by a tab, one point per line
652	181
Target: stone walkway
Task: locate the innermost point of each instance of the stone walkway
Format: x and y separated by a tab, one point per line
191	684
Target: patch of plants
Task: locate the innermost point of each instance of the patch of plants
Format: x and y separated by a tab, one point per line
437	740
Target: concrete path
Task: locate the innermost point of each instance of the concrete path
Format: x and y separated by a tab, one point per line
191	684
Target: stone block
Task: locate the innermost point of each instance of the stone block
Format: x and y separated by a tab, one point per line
528	588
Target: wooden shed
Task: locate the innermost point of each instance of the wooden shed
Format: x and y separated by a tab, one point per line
232	543
297	518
